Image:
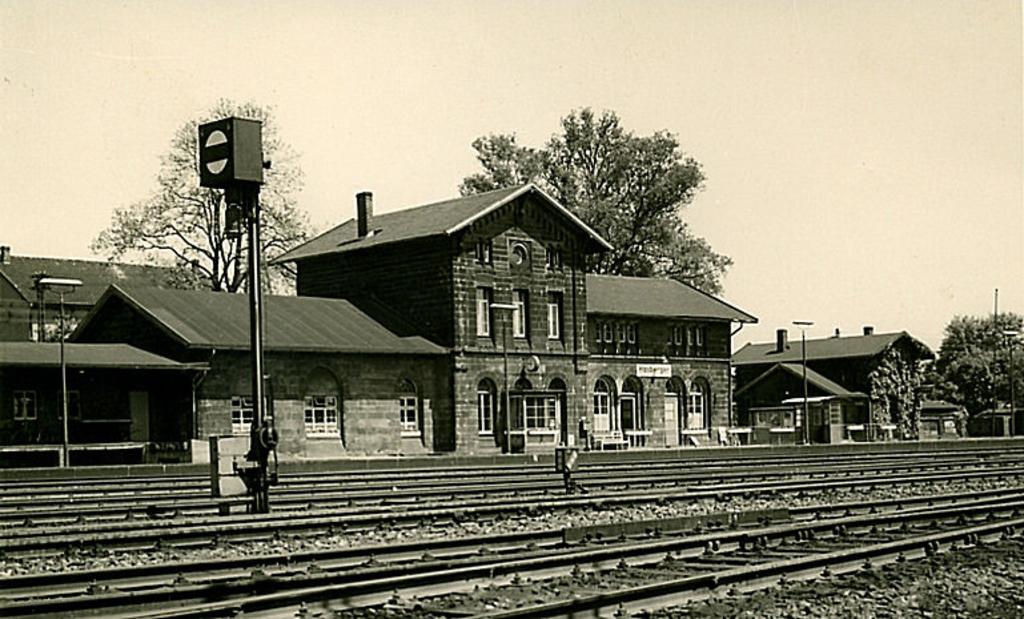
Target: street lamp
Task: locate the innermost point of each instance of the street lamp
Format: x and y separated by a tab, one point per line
803	324
1011	338
62	285
509	308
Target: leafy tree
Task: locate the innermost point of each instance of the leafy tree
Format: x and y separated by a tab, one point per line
183	223
973	367
630	189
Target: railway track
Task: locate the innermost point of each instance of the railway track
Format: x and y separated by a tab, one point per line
41	538
36	502
542	573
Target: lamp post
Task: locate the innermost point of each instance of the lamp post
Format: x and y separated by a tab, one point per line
508	309
1011	338
803	324
62	285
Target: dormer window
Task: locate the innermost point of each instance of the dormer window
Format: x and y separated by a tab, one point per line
484	252
553	260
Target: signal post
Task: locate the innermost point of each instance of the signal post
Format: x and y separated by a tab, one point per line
231	158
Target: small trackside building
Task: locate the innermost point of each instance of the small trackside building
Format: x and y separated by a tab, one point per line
340	382
867	387
659	366
125	404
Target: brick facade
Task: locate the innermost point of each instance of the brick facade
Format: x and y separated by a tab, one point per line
367	388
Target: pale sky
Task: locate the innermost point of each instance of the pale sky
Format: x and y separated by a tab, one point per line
863	159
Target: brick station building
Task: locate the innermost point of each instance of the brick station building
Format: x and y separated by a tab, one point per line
467	326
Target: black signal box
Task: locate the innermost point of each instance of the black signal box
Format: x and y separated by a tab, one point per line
230	152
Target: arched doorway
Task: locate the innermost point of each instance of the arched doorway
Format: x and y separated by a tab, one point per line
561	414
675	412
698	406
631	413
604	392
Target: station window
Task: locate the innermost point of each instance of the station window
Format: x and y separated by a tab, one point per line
409	410
541	412
24	405
554	258
631	333
486	399
521	299
485	252
554	315
608	333
321	413
241	414
484	296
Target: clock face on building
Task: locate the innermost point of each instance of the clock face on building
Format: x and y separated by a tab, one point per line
520	254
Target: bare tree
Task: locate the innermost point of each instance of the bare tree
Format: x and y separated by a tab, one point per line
183	223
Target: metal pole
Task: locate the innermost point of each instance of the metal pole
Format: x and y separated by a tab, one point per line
508	398
66	451
256	452
803	354
1013	415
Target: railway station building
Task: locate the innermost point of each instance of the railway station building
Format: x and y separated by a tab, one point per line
466	326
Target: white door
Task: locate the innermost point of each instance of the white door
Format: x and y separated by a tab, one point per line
671	420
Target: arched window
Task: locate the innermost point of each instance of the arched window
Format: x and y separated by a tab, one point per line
409	410
697	406
486	405
322	405
631	410
602	405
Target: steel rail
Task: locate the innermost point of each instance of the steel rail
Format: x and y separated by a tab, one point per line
352	591
386	577
137	535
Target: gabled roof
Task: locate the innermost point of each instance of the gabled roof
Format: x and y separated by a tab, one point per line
440	218
827	348
830	387
121	356
204	319
95	275
648	296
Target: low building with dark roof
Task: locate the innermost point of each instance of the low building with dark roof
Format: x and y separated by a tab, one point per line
337	377
885	369
26	314
122	401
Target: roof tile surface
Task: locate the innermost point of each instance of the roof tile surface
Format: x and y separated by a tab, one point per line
646	296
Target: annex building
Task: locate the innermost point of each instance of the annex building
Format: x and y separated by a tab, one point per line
468	326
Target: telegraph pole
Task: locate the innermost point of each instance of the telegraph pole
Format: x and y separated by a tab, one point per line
231	158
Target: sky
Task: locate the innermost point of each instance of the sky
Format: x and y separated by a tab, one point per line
863	159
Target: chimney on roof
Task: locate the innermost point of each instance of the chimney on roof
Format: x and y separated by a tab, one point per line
5	254
837	332
869	330
781	340
364	212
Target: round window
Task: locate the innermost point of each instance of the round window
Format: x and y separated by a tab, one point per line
519	254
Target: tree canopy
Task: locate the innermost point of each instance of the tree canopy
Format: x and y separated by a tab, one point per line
973	368
631	189
182	223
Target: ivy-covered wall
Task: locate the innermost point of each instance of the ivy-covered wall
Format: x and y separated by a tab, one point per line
894	380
